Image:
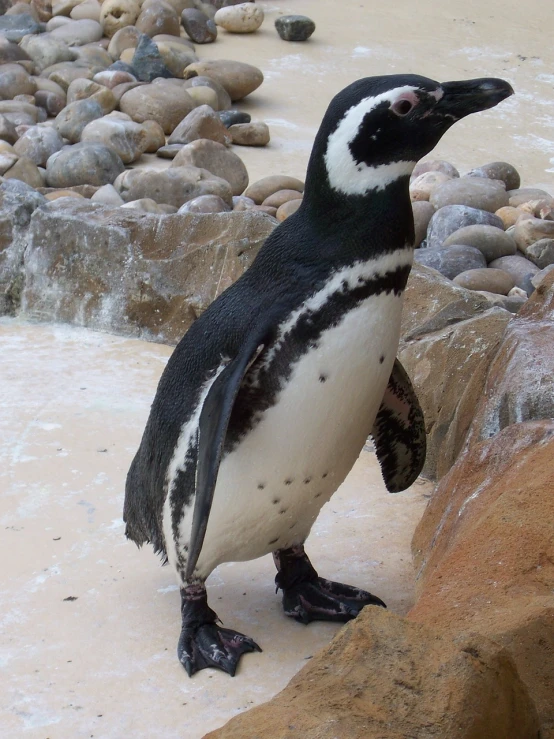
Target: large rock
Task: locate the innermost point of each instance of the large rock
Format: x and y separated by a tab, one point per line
17	203
75	116
200	123
520	382
450	260
383	677
484	554
492	242
448	369
14	80
164	270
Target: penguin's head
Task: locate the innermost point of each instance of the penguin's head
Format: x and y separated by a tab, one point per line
377	128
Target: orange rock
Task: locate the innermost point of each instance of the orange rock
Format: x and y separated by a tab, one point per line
484	551
383	677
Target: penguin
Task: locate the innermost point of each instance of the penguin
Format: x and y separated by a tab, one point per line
267	401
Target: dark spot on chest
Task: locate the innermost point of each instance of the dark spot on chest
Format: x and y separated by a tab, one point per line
381	359
276	501
273	541
261	485
307	480
323	378
289	481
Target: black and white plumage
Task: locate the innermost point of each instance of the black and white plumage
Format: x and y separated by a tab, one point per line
267	401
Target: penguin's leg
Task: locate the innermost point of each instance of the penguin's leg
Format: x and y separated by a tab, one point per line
202	642
308	597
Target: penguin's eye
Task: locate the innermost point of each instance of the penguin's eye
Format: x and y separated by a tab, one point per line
402	107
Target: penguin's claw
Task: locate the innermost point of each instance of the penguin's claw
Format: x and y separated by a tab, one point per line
325	600
212	646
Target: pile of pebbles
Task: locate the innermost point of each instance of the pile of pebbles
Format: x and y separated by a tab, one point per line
483	231
87	88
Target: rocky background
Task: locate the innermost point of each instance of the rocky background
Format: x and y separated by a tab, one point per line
125	207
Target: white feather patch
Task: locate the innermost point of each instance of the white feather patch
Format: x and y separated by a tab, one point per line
345	174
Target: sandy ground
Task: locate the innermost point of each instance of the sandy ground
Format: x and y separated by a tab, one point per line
89	623
444	40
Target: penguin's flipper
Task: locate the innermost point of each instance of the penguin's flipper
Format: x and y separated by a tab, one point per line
212	429
399	432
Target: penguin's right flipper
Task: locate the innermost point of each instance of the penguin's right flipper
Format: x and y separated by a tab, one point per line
399	432
212	429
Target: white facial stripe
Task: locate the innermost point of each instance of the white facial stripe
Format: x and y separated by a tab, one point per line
187	438
345	174
345	279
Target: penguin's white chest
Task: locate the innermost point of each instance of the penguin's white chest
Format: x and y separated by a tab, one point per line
271	487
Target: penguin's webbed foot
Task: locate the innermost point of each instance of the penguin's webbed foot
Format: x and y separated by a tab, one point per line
202	642
308	597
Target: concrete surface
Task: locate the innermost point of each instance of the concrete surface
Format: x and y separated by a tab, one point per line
88	623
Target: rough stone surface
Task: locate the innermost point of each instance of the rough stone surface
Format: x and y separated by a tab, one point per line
451	260
14	80
255	133
238	78
83	164
484	553
446	351
223	98
205	204
494	280
197	25
541	253
173	186
491	242
73	118
7	130
294	27
147	61
200	123
521	270
26	171
452	217
15	27
116	14
520	383
164	270
434	165
38	144
83	89
127	138
17	203
217	159
383	677
527	231
475	192
503	171
157	103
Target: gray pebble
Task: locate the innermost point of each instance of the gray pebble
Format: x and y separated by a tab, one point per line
491	280
452	217
230	117
75	116
521	270
147	61
294	27
197	25
498	171
491	242
38	144
82	164
434	165
452	260
474	192
14	27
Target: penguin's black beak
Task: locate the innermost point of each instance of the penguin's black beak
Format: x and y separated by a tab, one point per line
463	97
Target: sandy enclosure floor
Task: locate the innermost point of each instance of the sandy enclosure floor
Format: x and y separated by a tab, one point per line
89	623
443	40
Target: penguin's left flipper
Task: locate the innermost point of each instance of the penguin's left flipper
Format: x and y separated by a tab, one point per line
212	429
399	432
